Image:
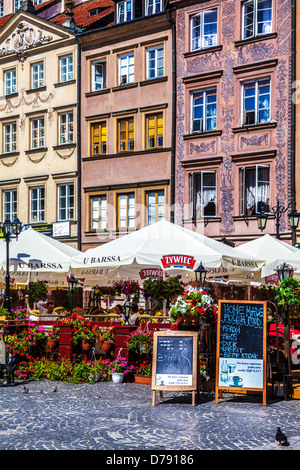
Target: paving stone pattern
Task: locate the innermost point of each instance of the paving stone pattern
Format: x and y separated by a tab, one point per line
108	416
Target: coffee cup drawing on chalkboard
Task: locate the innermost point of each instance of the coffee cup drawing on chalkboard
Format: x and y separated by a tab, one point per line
237	381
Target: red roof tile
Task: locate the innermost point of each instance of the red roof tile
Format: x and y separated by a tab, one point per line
81	13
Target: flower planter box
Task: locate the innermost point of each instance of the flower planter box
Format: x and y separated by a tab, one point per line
65	329
65	351
142	379
65	338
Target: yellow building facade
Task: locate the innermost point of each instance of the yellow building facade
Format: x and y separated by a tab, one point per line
38	125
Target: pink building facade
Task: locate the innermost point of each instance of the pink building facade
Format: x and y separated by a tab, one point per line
234	154
126	126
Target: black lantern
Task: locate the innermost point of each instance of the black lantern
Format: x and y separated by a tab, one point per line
284	271
294	219
200	273
262	220
127	310
10	230
72	282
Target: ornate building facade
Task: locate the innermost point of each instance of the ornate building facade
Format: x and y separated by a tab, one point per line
234	154
38	119
126	122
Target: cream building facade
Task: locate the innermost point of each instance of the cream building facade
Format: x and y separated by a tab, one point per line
38	125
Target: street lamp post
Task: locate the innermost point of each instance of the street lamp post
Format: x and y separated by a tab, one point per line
10	230
285	271
278	211
127	310
72	282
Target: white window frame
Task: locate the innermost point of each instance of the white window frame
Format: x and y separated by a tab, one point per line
38	70
158	69
153	6
10	137
40	201
10	200
204	119
126	63
17	5
10	81
256	97
69	201
37	125
159	208
66	68
98	80
98	208
200	38
124	11
255	4
1	8
129	206
243	202
66	136
196	198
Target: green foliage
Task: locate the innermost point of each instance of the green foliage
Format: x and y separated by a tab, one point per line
287	293
157	289
36	291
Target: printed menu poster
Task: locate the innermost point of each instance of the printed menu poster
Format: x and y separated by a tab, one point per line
241	344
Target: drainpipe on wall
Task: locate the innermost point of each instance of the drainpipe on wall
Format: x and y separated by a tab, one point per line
173	134
293	114
79	144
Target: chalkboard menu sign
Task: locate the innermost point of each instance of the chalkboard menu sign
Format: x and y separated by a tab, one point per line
241	346
175	360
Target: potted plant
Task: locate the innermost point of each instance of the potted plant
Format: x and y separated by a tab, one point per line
127	288
143	373
188	308
117	368
53	335
140	341
105	336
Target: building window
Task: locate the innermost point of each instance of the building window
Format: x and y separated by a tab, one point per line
98	75
66	201
155	62
254	190
1	9
124	11
66	68
10	81
98	213
10	204
37	204
37	2
66	131
204	110
126	211
17	4
153	6
98	138
155	202
203	194
204	30
256	101
154	131
125	134
10	137
37	75
126	68
257	18
37	133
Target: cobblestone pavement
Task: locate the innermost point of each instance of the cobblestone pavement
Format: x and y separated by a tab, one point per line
120	417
